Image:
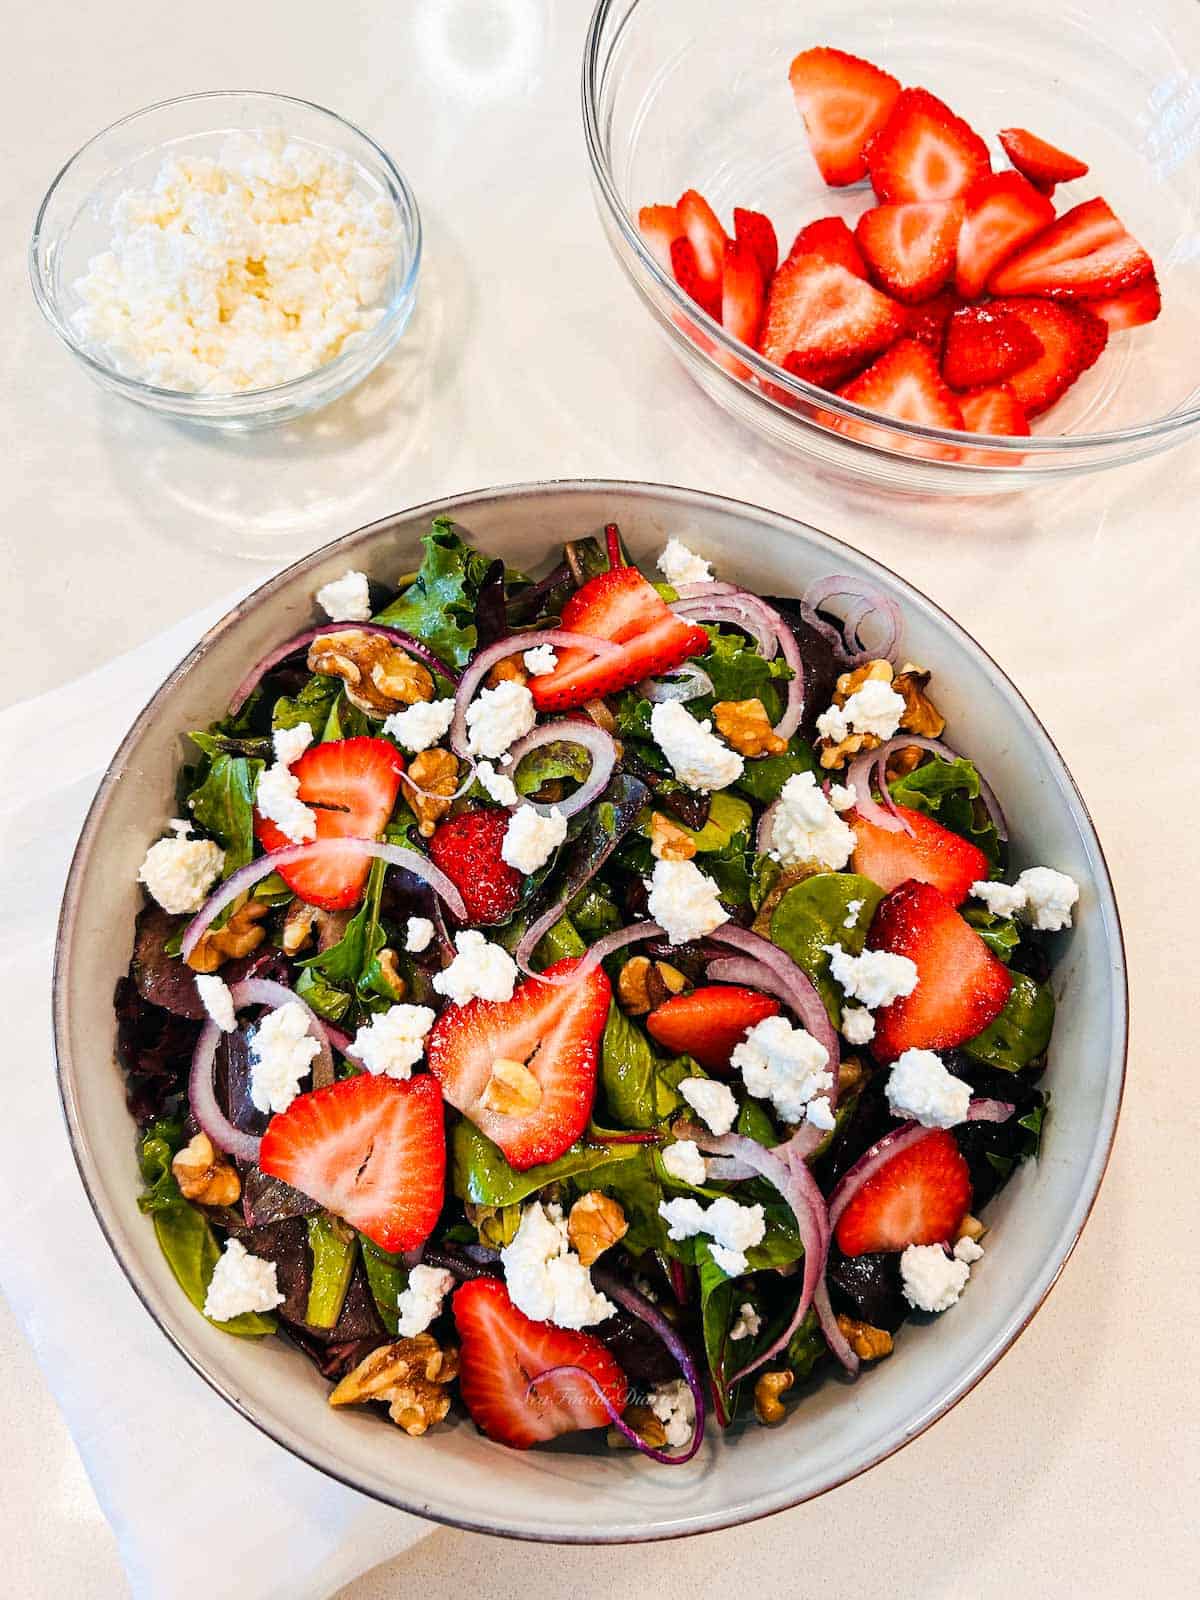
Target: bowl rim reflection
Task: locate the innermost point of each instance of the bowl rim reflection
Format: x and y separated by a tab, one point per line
594	67
234	401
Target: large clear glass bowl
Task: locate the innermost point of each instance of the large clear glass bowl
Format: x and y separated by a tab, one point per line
684	94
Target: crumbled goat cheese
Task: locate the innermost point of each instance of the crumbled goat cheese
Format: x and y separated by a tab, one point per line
421	1300
545	1278
281	1053
919	1087
683	1162
1041	897
1001	899
290	744
680	566
784	1065
819	1111
277	793
532	837
179	872
877	977
806	828
853	908
240	1283
239	272
499	788
932	1280
684	901
539	661
393	1041
858	1025
747	1323
968	1250
843	796
733	1228
418	935
420	726
498	717
674	1405
346	599
479	971
712	1102
697	756
216	1000
876	708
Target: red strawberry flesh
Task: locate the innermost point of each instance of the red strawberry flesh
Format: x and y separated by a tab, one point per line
710	1022
906	383
1086	254
918	1197
831	239
1002	212
843	101
983	346
924	151
911	246
826	317
467	848
1042	163
1071	338
929	854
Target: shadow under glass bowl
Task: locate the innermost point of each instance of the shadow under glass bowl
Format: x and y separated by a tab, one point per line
578	1491
682	94
74	223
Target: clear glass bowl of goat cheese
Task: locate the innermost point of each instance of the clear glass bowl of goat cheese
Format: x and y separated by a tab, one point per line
228	259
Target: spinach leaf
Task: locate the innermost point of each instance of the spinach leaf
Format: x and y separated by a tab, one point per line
806	1346
325	998
949	791
638	1086
717	1312
561	758
333	1246
481	1174
754	1122
439	606
728	817
558	942
764	779
313	705
214	743
1022	1030
813	914
635	1182
345	721
1000	934
739	672
346	961
223	804
595	912
386	1278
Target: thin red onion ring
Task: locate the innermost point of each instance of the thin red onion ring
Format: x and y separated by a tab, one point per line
458	793
684	683
871	767
281	652
637	1305
738	609
765	835
796	988
568	1369
486	659
713	586
596	954
573	730
834	1337
866	598
254	871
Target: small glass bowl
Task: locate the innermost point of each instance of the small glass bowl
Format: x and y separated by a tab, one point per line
681	94
74	224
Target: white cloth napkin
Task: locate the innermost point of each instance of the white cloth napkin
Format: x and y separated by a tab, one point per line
180	1477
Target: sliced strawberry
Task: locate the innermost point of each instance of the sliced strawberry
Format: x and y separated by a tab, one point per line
1088	254
1003	210
829	319
929	854
690	279
1129	309
995	410
910	247
502	1356
618	605
704	233
553	1030
843	101
961	986
351	785
709	1022
370	1149
927	322
743	293
757	232
984	345
920	1196
905	382
467	848
924	152
1072	339
1043	164
831	239
660	227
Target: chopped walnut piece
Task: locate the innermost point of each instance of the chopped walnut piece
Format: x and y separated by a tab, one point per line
644	984
971	1228
411	1375
836	755
920	714
302	921
646	1425
595	1224
851	1076
204	1176
903	761
868	1343
435	774
745	726
668	841
240	935
379	677
507	670
512	1090
768	1407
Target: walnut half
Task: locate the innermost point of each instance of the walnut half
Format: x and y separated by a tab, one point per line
240	935
644	984
745	726
204	1176
595	1224
434	775
379	678
411	1376
768	1406
868	1343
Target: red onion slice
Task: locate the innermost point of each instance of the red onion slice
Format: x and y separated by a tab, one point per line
573	730
990	1110
741	611
637	1305
688	682
794	986
301	641
710	586
598	952
871	768
765	836
866	598
254	871
834	1337
515	644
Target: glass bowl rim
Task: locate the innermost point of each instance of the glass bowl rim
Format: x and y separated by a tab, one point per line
1045	445
234	401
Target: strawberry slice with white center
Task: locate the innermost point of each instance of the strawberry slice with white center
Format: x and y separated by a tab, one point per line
831	239
743	292
1071	339
702	230
757	233
371	1150
843	100
660	227
930	854
822	322
906	383
351	785
911	246
920	1196
1044	164
1129	309
961	986
1087	254
1003	211
508	1375
550	1034
925	152
994	410
619	605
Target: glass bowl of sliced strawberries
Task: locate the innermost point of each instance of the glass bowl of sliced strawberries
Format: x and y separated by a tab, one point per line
946	250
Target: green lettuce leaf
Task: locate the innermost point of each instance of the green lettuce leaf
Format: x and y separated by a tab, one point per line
313	705
639	1087
1022	1030
333	1247
387	1276
813	914
439	606
764	779
223	804
481	1174
949	792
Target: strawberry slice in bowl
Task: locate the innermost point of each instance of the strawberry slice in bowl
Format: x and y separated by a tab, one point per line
1044	164
911	246
710	1022
823	322
984	345
1087	254
843	100
924	151
1072	340
919	1196
1002	211
905	383
831	239
928	853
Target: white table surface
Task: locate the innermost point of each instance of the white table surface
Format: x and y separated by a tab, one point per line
1075	1468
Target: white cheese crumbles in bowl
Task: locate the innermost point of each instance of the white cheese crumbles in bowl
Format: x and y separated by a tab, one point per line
233	259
